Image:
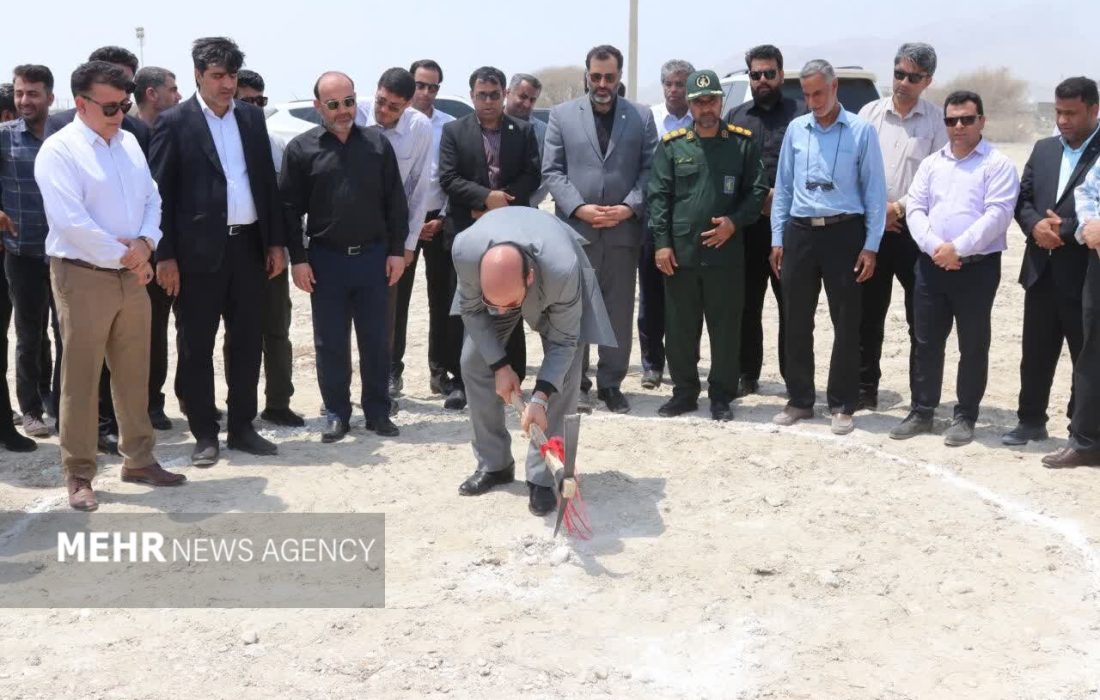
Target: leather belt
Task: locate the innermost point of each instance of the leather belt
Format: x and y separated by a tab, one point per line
349	250
973	258
238	229
820	221
89	266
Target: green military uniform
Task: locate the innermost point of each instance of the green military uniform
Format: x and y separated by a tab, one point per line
693	179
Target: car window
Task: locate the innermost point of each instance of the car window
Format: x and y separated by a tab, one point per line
543	115
309	114
736	93
453	107
853	93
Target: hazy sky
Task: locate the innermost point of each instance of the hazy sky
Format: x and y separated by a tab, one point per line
290	46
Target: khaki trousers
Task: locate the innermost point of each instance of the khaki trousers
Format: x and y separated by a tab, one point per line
104	315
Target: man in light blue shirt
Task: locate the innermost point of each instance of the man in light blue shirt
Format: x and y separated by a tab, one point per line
828	215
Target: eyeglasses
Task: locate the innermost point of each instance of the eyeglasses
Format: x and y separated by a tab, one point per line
758	74
823	186
597	78
110	109
967	120
333	105
487	96
913	78
498	310
430	87
258	100
383	103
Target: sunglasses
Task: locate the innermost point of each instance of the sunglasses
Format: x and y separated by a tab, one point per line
430	87
333	105
967	120
110	109
913	78
497	310
823	186
487	96
597	78
758	74
259	100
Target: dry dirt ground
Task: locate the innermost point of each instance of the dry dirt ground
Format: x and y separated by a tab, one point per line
729	561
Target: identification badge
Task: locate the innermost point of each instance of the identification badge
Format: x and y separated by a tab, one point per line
729	184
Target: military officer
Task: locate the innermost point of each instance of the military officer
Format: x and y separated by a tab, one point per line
706	184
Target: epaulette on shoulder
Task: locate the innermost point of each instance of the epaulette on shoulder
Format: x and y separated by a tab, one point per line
739	130
674	134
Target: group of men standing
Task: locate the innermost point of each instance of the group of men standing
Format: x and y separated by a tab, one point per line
705	211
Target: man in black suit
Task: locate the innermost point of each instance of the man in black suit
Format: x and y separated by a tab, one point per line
224	232
127	62
1053	271
487	160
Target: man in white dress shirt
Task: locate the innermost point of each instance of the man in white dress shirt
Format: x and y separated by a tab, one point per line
410	134
444	330
103	212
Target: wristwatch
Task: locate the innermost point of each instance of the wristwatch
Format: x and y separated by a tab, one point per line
539	401
148	242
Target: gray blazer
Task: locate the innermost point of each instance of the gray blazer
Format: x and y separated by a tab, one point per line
576	173
563	304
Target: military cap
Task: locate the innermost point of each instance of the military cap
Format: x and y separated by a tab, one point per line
702	83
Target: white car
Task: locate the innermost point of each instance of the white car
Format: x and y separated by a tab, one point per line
857	87
288	119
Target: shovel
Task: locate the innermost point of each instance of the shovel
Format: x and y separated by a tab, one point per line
562	472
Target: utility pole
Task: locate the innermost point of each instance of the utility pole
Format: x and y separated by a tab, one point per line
632	54
140	31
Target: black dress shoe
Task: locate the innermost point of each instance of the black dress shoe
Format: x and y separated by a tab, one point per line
205	453
584	402
677	405
1024	433
541	499
251	442
14	442
335	430
651	379
437	384
396	385
382	426
748	386
720	410
159	420
456	400
616	402
394	408
283	416
482	481
107	443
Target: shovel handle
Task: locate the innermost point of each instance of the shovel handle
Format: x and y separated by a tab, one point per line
537	436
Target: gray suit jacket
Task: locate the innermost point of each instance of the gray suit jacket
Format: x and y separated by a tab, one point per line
576	173
564	304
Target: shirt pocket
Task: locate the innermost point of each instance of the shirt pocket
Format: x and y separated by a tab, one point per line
918	148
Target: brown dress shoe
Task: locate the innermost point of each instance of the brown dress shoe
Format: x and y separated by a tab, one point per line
1067	457
81	496
154	475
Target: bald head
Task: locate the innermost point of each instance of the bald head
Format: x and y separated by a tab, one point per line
504	275
332	82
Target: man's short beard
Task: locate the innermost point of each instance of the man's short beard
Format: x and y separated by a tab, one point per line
594	96
768	99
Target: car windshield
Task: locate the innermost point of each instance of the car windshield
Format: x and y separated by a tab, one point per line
309	114
854	92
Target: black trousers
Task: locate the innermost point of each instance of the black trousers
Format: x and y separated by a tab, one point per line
758	273
812	256
651	308
1050	317
5	320
234	293
28	279
444	333
1084	429
278	355
963	297
897	257
160	305
350	291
